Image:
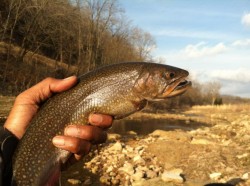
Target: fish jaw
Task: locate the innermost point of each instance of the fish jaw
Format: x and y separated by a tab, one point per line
177	88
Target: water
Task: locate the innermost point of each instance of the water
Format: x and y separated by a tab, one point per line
144	127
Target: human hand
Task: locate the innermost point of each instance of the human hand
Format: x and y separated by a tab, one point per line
77	138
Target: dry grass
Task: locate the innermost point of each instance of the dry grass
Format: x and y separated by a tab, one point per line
223	108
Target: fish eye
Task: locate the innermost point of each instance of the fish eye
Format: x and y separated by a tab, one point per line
172	75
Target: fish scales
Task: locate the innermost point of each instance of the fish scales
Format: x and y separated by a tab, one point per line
117	90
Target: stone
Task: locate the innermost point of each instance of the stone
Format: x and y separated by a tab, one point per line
201	142
74	181
94	169
171	177
131	132
138	175
105	179
215	175
176	171
138	160
115	182
127	168
129	148
151	174
114	136
109	169
116	147
245	176
242	156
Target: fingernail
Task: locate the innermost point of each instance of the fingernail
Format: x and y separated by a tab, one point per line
72	131
68	78
95	119
58	141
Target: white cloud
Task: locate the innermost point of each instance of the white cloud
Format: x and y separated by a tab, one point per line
241	43
232	75
201	50
245	20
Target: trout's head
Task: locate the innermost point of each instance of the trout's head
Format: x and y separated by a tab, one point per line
157	82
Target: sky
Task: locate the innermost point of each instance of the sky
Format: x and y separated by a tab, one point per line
210	39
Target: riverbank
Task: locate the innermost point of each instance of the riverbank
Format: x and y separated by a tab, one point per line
217	152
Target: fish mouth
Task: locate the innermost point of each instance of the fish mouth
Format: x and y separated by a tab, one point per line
176	88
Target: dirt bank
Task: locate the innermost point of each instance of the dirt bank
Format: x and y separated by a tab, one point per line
216	153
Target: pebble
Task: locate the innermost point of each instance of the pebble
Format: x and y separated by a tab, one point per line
215	175
116	147
245	176
132	132
151	174
242	156
138	175
127	168
138	159
105	179
171	177
201	142
114	136
109	169
176	171
74	181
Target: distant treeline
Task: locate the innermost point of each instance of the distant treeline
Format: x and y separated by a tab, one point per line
59	38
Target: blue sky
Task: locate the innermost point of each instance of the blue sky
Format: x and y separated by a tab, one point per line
209	38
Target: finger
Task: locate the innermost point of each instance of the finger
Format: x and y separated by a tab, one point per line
43	90
101	120
72	144
87	132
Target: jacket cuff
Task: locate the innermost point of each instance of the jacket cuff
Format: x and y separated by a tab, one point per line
8	143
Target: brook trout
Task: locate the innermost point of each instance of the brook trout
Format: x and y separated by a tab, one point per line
117	90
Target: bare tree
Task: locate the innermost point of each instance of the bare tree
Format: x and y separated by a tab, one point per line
143	42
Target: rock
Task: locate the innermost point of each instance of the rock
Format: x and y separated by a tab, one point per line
245	176
116	147
151	174
74	181
129	148
115	181
138	160
201	142
94	169
242	156
160	133
215	175
105	179
114	136
138	175
132	132
171	177
176	171
109	169
127	168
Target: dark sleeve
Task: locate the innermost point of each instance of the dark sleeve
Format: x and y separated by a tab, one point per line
8	143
